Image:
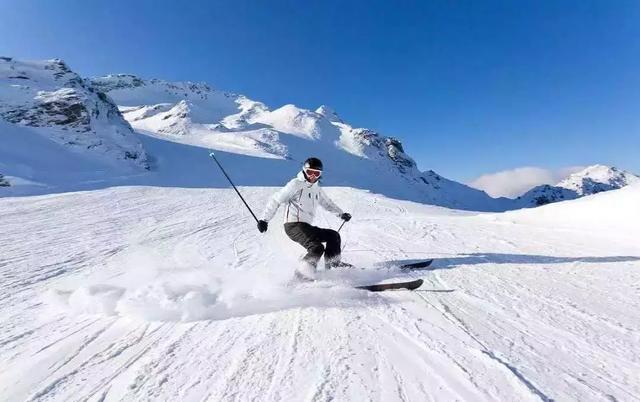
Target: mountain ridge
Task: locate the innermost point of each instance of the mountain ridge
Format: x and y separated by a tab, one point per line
156	106
95	119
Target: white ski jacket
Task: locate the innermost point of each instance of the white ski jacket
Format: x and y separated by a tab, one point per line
301	199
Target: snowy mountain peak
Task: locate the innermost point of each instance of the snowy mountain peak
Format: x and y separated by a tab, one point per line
598	178
594	179
329	114
65	108
304	123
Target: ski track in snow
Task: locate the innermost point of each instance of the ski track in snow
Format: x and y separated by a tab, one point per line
507	311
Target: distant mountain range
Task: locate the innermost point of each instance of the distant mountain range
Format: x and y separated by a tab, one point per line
63	132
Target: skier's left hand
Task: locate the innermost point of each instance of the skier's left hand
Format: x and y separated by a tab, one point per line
345	217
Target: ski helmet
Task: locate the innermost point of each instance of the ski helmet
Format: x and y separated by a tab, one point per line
313	163
312	169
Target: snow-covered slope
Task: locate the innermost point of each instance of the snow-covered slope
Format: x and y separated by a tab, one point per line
35	164
198	115
592	180
171	294
614	211
65	109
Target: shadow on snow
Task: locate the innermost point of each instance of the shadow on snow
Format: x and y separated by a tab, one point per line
498	258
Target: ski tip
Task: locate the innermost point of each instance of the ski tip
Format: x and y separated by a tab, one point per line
212	154
381	287
417	265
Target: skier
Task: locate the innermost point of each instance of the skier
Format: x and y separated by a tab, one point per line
301	195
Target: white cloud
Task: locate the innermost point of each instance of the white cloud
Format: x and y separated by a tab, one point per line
515	182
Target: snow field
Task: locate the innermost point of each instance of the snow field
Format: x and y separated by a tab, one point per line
144	293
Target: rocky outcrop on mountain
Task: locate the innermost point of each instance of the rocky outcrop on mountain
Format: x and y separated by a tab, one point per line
545	194
4	182
69	110
372	144
116	82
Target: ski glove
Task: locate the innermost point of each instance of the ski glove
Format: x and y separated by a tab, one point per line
262	226
345	217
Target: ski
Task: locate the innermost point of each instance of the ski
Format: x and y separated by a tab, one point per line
381	287
416	265
404	267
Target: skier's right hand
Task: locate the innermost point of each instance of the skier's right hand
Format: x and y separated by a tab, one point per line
262	226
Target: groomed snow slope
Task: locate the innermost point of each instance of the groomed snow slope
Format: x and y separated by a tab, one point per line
144	293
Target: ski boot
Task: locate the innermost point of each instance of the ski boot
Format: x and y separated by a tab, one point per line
336	264
306	272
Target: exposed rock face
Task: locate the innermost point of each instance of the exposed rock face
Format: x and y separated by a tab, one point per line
63	107
374	145
4	182
545	194
116	82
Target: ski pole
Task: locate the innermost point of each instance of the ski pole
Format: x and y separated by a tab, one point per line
234	186
342	225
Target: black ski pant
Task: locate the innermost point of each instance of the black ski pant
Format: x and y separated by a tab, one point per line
311	238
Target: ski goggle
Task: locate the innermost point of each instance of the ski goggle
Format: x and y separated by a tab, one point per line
313	173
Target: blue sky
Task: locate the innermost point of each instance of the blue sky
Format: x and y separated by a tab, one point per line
470	87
